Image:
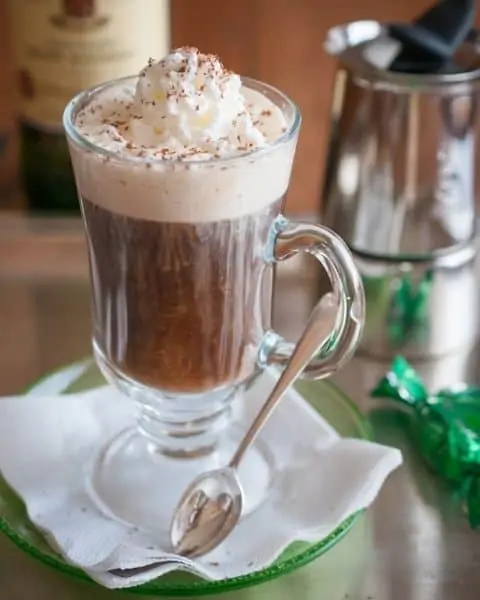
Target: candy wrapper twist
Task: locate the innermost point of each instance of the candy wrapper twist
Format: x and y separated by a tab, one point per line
447	429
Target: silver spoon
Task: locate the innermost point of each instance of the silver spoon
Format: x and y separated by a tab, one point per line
212	504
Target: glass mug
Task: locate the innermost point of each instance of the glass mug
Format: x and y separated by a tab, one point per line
182	258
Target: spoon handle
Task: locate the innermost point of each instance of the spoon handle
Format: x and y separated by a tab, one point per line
313	336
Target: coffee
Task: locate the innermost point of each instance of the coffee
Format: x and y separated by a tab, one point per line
177	306
178	211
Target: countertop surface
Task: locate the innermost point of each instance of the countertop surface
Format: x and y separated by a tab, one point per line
413	544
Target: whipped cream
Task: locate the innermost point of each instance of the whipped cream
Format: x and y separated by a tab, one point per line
185	106
181	116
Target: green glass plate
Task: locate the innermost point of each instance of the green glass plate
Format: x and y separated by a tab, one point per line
326	398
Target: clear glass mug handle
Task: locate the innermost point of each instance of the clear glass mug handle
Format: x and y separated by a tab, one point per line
347	298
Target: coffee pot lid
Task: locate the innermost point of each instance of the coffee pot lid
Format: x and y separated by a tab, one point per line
367	48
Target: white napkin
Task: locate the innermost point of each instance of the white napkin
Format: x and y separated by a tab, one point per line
45	442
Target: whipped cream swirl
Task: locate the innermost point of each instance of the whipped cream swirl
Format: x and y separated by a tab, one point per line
186	106
189	100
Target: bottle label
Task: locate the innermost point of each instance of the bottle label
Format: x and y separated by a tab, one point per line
64	46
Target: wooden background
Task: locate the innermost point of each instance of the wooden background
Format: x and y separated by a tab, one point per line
279	41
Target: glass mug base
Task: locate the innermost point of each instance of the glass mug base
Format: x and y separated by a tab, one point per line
129	479
175	439
178	425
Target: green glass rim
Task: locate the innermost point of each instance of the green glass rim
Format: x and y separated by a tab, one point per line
203	587
194	588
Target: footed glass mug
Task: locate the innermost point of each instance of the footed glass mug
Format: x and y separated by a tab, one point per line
182	258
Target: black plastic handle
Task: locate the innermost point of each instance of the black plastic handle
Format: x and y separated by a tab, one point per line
433	38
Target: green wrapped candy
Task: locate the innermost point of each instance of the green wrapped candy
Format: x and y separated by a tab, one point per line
447	428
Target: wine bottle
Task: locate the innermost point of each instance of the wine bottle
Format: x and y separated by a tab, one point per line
61	47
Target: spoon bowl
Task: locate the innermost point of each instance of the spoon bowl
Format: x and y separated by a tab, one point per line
209	510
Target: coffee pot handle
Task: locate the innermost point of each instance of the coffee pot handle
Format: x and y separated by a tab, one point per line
341	312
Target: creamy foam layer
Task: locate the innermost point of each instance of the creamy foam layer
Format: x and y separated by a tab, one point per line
176	140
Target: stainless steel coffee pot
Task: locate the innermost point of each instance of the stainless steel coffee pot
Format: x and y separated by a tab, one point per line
401	184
